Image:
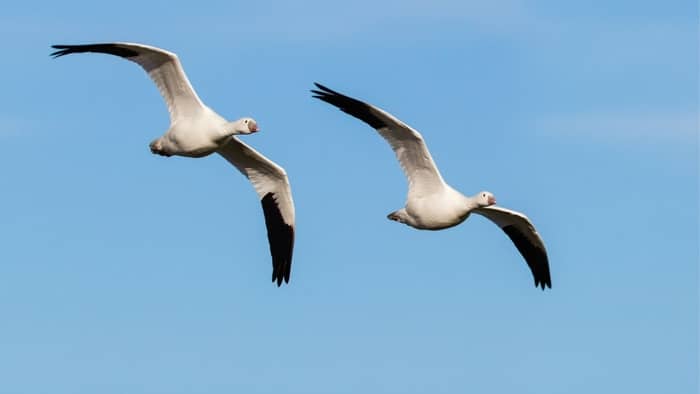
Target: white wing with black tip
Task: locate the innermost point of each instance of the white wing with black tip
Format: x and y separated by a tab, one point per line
525	237
407	143
162	66
272	185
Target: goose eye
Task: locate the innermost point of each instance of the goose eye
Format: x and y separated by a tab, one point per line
246	121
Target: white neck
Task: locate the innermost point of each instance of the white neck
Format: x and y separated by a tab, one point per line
229	129
471	203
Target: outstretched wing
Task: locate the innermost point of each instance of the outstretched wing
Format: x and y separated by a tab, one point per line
162	66
272	185
523	234
407	143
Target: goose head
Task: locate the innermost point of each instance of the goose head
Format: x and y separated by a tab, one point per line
243	126
485	199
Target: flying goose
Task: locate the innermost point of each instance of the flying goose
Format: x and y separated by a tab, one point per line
197	131
432	204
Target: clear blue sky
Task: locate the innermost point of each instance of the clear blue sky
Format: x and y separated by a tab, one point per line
125	272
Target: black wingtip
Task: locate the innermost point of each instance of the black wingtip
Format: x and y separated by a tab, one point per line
324	92
108	48
545	282
535	257
277	277
281	238
349	105
62	50
325	89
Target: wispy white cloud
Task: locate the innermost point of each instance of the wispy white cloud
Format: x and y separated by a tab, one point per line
626	127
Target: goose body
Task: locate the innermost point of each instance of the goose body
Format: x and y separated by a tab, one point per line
431	203
443	208
182	141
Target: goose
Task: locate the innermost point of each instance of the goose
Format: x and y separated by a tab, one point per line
197	131
431	203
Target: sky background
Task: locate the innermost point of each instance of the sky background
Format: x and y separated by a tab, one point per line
121	271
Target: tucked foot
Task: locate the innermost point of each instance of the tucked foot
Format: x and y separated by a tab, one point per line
157	149
400	216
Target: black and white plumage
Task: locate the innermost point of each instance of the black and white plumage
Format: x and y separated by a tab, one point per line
432	204
272	185
196	131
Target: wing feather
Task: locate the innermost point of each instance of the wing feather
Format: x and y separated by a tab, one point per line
272	185
163	68
526	239
408	144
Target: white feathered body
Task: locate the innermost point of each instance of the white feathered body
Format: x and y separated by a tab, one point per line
181	140
436	211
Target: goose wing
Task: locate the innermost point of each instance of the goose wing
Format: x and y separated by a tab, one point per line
526	239
408	145
272	185
162	66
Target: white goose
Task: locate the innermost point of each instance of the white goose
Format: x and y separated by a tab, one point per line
197	131
432	204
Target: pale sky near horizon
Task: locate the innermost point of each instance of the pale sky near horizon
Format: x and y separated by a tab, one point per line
124	272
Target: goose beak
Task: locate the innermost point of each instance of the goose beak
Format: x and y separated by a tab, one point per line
253	128
492	201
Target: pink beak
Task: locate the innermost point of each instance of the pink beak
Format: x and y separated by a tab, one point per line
492	200
253	128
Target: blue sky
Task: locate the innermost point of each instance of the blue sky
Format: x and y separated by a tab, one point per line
123	272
